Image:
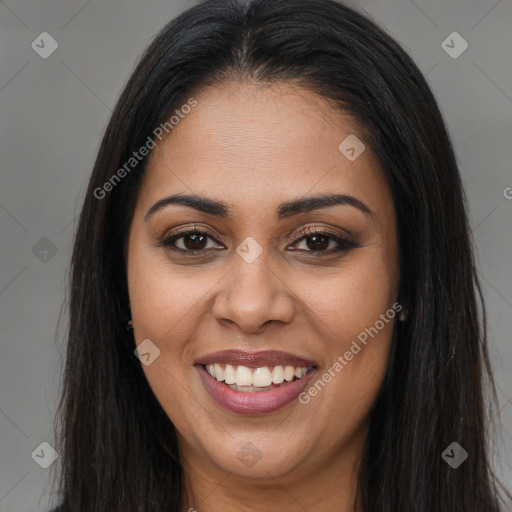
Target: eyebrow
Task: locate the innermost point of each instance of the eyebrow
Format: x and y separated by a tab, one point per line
287	209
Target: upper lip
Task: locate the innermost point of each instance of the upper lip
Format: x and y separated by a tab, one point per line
254	359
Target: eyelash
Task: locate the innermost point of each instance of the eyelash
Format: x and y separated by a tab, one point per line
344	244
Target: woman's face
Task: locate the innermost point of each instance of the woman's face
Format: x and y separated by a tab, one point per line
252	289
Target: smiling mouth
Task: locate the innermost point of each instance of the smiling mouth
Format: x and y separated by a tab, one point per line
248	380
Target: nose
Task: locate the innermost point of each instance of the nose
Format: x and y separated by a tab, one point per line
251	295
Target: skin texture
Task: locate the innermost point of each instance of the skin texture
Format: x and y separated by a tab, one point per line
253	147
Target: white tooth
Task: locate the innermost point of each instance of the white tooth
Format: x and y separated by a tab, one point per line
219	372
277	374
229	375
210	369
289	373
304	370
261	377
243	376
298	372
249	389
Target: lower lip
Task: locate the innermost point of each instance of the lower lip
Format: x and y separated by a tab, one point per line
256	402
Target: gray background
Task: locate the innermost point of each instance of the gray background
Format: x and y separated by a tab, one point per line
52	115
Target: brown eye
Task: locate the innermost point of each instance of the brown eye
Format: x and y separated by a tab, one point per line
319	242
192	241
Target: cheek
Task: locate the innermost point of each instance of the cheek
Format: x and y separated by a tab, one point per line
353	296
353	316
163	304
169	303
163	298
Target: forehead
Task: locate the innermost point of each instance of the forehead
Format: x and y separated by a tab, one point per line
249	142
238	120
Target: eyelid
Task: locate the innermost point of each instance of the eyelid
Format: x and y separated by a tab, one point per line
317	230
344	242
168	239
192	229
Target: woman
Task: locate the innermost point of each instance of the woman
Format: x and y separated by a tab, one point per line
273	295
